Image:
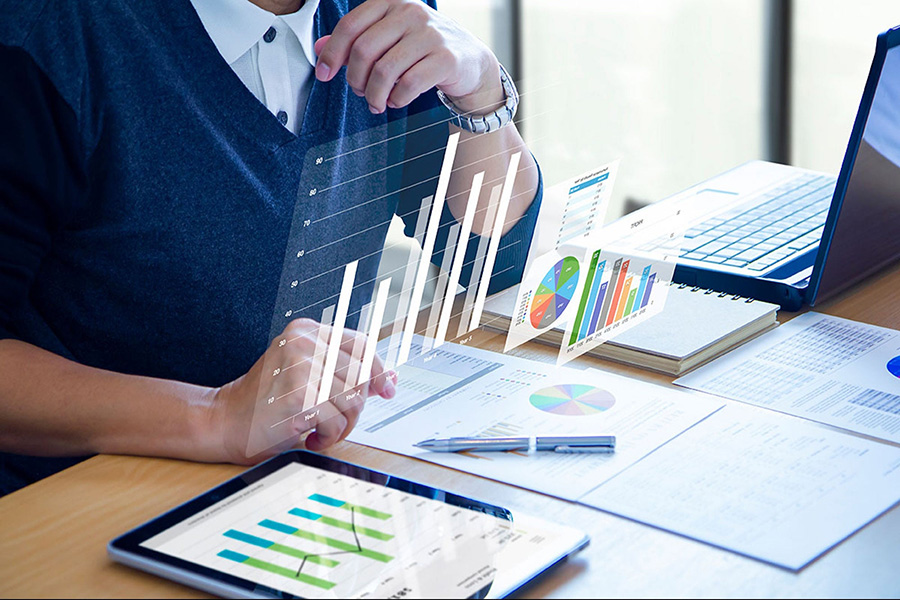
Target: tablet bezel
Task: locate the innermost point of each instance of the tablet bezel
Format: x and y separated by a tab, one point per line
127	548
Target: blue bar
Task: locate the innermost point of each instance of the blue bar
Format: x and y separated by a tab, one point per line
278	527
299	512
592	301
249	539
589	183
649	288
597	307
235	556
326	500
637	303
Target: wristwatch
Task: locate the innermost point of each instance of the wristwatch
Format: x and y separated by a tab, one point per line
491	121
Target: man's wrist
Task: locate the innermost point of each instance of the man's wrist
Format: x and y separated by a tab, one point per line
488	97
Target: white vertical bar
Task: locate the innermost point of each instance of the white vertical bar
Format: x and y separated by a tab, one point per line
337	332
437	208
440	291
480	251
358	344
365	371
318	359
407	283
495	240
458	260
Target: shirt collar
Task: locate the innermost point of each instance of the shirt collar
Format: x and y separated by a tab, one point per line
236	25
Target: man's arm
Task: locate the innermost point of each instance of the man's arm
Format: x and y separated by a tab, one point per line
53	406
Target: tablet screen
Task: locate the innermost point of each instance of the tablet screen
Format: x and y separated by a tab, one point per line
315	533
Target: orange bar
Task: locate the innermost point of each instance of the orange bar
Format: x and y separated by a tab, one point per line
623	271
623	299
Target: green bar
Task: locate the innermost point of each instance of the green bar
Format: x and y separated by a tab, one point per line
346	526
309	556
372	533
309	579
328	501
630	304
369	512
584	298
339	545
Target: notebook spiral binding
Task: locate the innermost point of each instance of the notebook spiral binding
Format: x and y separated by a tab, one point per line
707	292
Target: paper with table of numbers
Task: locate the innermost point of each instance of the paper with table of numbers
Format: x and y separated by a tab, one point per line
835	371
759	483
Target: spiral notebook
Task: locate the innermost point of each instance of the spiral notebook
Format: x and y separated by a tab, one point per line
695	327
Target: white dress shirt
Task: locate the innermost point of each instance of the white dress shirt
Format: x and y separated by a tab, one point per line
272	55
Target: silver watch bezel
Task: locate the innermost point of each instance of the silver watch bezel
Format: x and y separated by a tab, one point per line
491	121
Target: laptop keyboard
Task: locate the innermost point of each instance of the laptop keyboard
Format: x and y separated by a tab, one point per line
786	220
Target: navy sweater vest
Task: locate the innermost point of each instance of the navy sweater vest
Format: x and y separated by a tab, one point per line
146	196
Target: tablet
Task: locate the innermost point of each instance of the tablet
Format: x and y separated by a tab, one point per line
303	525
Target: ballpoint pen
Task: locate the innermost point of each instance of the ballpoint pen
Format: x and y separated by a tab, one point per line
598	444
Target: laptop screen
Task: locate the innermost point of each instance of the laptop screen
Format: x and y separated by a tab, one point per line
866	222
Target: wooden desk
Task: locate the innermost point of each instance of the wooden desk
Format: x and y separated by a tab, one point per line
54	533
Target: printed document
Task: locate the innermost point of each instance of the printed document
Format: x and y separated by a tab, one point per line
758	483
818	367
458	391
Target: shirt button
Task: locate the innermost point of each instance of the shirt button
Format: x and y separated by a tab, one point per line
283	117
270	35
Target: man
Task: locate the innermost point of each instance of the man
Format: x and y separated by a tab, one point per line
148	174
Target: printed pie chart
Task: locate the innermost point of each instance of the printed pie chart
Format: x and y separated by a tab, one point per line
575	400
893	366
554	293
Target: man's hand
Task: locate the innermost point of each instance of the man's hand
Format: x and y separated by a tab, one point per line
283	373
395	50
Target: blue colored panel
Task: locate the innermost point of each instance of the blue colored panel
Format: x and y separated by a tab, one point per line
235	556
327	500
246	537
278	527
299	512
589	183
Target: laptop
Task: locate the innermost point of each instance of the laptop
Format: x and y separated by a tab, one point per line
791	236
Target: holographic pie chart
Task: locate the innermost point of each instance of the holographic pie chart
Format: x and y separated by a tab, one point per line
554	293
893	366
575	400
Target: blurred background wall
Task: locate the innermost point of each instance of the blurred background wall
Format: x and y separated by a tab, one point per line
679	90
